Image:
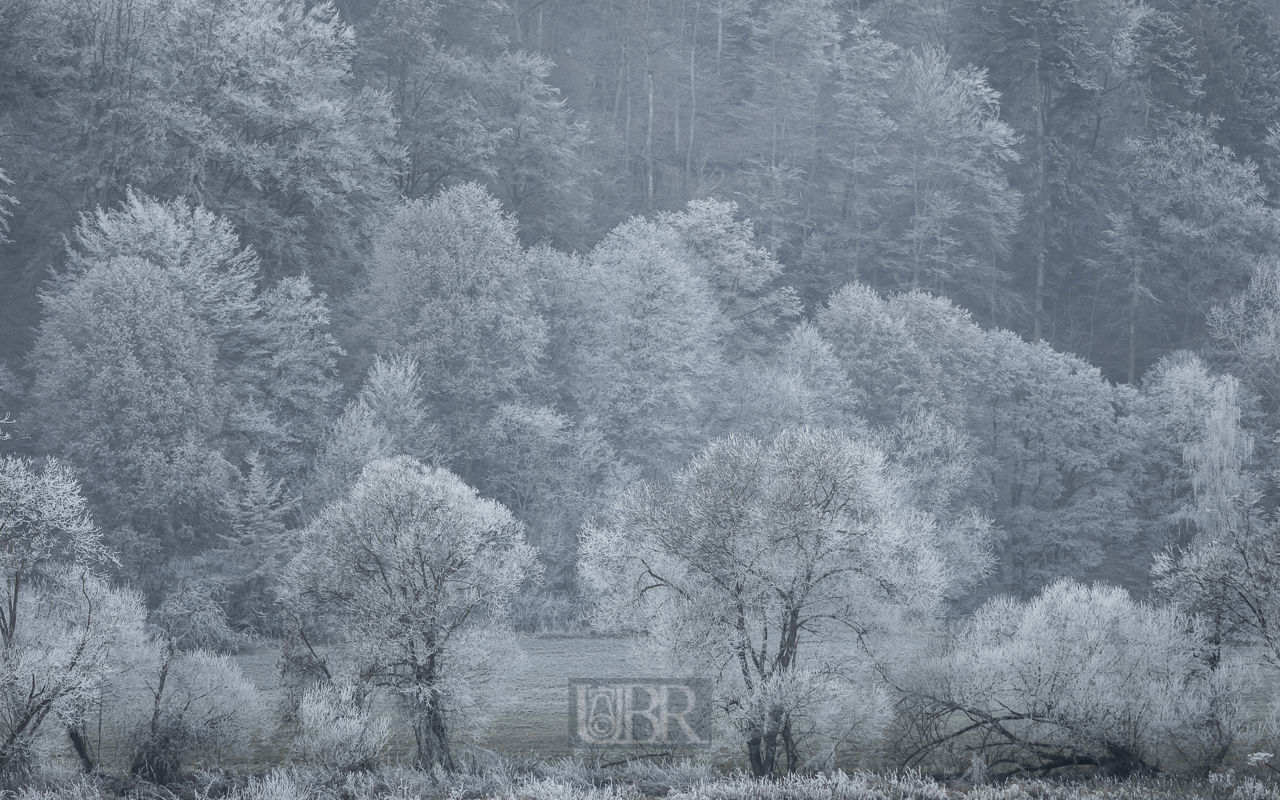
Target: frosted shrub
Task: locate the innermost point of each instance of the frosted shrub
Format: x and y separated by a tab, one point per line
81	790
336	733
838	786
275	785
1078	676
201	703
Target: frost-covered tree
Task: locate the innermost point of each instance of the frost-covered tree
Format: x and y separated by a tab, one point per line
127	390
159	368
1169	414
247	109
644	344
742	275
802	383
948	207
553	473
1194	485
1232	579
904	354
864	72
1194	225
282	369
1225	566
1046	427
786	62
1244	340
1057	437
449	287
413	572
60	622
408	50
766	563
249	558
538	169
388	417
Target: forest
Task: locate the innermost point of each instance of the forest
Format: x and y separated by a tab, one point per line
909	369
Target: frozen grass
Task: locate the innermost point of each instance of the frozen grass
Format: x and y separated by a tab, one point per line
536	722
566	780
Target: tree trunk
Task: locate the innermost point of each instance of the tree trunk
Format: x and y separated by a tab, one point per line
995	271
915	226
762	747
648	135
1041	203
80	743
158	758
1133	322
675	117
431	737
617	95
626	136
9	622
719	36
693	109
789	747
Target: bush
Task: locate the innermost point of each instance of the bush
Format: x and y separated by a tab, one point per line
1078	676
334	732
201	702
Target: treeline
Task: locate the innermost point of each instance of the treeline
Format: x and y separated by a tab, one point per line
1097	174
1094	175
201	407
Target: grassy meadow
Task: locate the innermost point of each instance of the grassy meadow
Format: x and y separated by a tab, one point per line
533	724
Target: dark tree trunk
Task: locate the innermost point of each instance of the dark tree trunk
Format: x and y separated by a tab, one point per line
84	751
432	739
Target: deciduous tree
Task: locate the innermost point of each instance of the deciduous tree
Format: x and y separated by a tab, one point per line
60	622
450	287
646	344
159	368
763	562
413	572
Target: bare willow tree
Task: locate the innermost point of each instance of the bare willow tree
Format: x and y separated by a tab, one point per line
412	574
766	564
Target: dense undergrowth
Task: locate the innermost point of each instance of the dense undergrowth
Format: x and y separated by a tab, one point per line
568	780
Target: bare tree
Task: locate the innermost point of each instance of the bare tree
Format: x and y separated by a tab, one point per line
766	564
413	572
59	621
